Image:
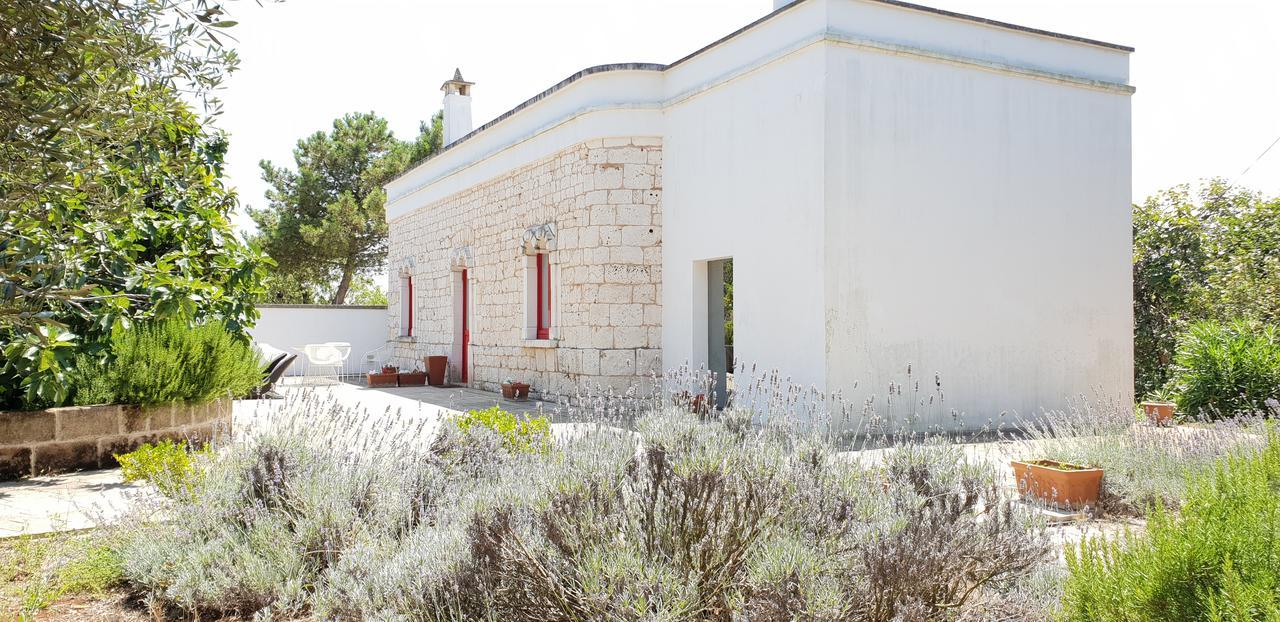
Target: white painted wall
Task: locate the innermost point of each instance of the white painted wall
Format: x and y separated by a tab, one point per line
895	186
977	224
987	239
742	166
289	327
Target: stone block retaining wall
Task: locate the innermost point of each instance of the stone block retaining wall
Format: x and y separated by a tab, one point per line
58	440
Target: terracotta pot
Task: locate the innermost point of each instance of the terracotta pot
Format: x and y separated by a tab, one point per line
508	391
696	404
521	390
436	366
383	379
1160	413
413	378
1059	484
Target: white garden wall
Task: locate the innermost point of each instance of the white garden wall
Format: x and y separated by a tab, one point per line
290	327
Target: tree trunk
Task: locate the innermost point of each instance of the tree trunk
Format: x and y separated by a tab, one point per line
348	271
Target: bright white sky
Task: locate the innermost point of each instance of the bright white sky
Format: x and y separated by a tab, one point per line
1207	71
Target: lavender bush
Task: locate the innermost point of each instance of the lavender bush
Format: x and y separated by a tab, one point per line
1144	464
748	513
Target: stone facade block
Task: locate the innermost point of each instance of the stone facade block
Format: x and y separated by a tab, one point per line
649	361
618	362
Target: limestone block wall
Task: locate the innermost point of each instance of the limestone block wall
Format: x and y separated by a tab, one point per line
57	440
603	198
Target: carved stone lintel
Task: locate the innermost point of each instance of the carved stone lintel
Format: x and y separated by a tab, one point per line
462	258
538	239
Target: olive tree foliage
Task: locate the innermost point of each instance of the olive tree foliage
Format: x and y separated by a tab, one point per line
110	182
1200	253
325	221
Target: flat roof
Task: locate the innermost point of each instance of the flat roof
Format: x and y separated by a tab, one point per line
661	67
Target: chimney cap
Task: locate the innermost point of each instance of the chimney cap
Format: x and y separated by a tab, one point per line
456	82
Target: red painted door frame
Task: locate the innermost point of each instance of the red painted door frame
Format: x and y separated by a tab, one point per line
466	328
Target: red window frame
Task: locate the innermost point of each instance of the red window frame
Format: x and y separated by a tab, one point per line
408	282
543	300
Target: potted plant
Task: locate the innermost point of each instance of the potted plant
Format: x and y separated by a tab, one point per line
521	390
415	378
388	377
1059	484
1159	407
696	404
513	390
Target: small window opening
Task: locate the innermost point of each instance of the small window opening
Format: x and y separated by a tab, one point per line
406	306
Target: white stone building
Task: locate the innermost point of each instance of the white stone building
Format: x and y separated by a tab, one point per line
895	184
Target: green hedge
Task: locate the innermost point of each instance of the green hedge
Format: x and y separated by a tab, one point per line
1225	369
169	362
1219	559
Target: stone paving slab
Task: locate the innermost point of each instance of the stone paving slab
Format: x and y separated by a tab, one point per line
65	502
464	399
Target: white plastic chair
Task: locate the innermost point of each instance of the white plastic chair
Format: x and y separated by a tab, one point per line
267	352
331	355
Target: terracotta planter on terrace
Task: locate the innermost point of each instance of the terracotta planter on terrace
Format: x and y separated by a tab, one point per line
697	404
413	378
1058	483
436	366
383	379
1160	413
515	390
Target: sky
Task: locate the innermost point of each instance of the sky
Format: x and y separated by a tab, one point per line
1207	72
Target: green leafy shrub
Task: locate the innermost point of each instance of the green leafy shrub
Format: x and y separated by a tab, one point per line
1204	252
168	362
1227	369
1219	559
518	434
90	381
166	464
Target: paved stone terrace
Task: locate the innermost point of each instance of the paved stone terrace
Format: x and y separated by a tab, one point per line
463	399
64	502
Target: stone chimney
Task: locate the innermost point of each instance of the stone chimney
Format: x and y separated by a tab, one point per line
457	108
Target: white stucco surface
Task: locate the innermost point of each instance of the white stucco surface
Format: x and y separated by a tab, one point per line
978	226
